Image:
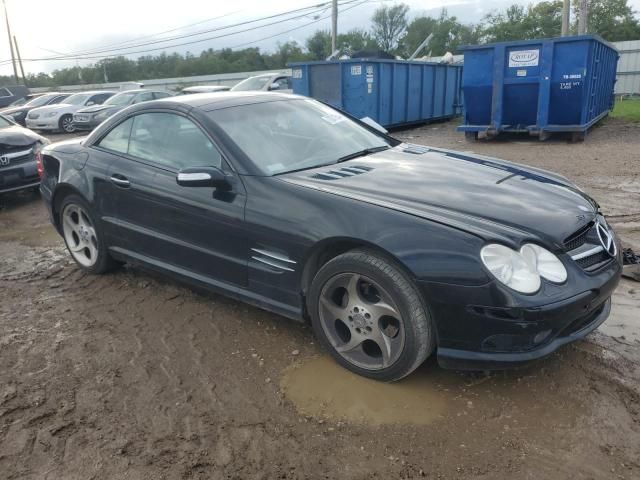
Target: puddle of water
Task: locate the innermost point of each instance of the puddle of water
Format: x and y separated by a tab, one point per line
625	313
322	388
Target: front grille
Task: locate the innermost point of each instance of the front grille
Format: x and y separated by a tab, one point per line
586	240
9	160
595	261
578	238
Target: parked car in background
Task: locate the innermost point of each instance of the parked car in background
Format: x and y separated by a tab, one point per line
18	149
21	101
19	113
90	117
60	117
265	83
10	94
205	89
393	251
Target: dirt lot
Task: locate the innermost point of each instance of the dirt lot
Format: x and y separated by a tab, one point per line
132	376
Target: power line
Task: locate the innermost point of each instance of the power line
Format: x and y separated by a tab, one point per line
89	55
298	27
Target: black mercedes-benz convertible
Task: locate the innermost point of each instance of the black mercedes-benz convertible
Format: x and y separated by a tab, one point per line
393	251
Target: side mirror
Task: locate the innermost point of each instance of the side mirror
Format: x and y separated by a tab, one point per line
90	103
203	177
274	86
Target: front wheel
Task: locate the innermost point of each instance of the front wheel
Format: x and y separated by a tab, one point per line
66	124
369	315
83	236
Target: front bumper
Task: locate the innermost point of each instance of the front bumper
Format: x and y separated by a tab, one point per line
88	125
51	123
491	329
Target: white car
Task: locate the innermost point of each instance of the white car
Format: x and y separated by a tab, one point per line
267	82
60	116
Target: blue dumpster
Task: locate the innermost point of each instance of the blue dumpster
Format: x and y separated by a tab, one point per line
538	86
391	92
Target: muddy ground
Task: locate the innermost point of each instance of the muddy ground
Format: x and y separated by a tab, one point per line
132	376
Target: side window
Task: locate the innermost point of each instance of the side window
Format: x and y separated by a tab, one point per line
144	97
117	140
99	98
5	93
159	95
173	141
285	83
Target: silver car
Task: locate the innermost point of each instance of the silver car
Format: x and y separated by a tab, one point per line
265	83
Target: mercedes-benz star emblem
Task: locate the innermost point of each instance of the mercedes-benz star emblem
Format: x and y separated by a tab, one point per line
606	239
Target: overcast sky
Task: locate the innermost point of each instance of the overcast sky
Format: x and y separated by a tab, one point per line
45	28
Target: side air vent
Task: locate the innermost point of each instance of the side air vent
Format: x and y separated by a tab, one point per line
338	173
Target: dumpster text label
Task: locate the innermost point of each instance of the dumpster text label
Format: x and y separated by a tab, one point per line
524	58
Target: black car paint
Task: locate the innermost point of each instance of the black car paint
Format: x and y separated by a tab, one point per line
431	211
20	172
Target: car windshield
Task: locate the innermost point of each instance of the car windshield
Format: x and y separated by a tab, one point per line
286	135
121	98
39	101
251	83
77	99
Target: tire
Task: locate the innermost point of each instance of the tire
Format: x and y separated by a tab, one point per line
355	300
66	124
83	237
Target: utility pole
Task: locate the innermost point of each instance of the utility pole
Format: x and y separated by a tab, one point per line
13	58
334	25
24	79
583	16
566	10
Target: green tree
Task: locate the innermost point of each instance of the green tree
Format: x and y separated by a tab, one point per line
389	25
542	20
614	20
319	45
448	34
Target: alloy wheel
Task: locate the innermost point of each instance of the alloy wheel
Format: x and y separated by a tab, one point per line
80	235
67	125
361	321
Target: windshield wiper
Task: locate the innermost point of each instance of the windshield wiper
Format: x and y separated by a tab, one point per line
362	153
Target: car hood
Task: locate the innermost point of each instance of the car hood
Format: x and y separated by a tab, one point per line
16	136
488	197
98	108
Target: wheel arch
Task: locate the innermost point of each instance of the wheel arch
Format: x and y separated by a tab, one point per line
61	192
329	248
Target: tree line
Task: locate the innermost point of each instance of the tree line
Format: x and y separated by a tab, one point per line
391	30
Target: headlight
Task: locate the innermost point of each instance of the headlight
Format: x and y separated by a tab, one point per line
522	270
545	263
52	114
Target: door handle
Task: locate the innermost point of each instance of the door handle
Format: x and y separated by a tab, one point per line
120	180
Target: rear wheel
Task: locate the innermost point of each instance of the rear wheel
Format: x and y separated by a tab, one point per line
66	124
83	236
370	317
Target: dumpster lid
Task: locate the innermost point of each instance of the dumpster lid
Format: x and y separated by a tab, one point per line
516	43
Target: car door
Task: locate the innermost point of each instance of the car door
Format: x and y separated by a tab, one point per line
193	231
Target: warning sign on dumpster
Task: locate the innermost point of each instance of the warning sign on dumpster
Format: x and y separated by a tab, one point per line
524	58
